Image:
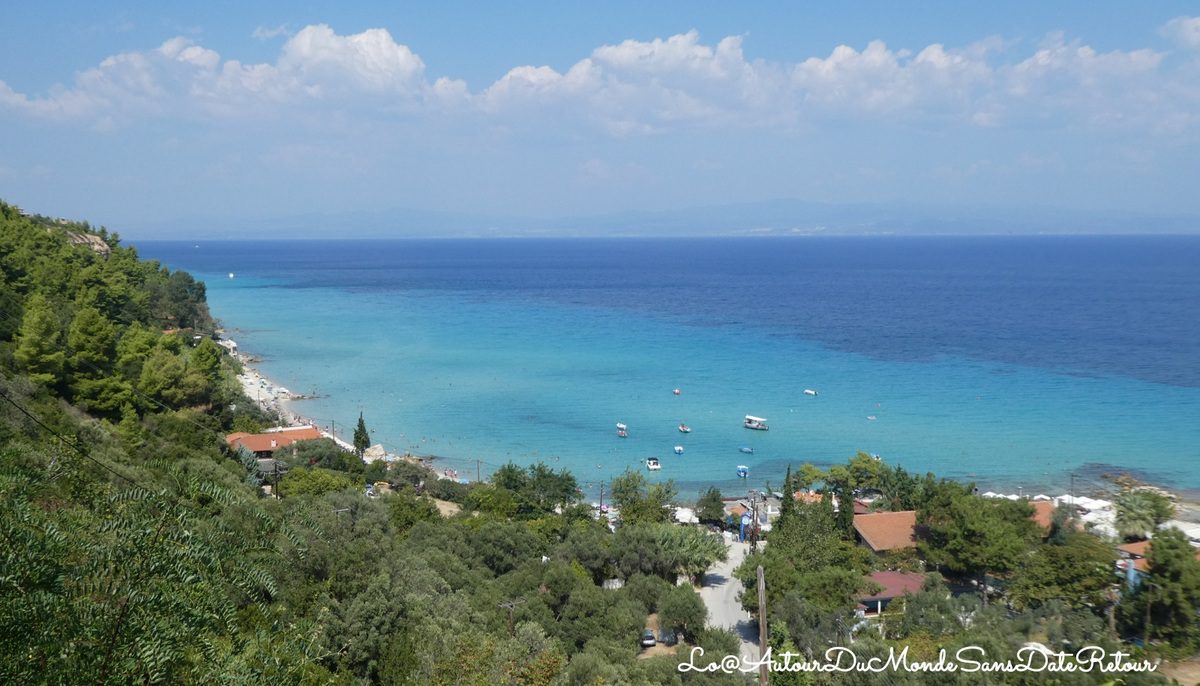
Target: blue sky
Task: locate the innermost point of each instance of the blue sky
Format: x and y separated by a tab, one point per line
151	116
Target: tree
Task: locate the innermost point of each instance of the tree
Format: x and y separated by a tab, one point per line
681	610
406	509
1139	512
206	359
92	340
1172	592
315	481
1077	570
640	502
976	536
39	342
362	438
710	509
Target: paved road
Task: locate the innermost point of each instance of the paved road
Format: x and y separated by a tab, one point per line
720	593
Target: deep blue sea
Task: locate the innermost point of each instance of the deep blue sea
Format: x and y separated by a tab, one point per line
1010	361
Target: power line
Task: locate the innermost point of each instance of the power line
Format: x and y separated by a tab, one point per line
68	442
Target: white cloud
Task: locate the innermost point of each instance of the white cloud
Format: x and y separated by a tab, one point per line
370	60
1184	30
640	87
267	33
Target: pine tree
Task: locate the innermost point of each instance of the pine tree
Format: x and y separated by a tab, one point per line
39	342
362	438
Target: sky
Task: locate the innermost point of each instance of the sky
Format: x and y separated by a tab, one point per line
162	119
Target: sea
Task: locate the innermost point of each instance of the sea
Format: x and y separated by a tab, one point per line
1024	364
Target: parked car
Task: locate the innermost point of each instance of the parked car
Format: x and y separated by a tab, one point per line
648	639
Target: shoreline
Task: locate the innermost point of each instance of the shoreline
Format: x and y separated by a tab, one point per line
277	399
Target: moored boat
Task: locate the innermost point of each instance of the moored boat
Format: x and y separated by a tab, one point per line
809	391
743	471
685	429
652	464
746	449
756	423
679	450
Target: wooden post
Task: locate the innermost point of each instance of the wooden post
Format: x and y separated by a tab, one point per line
762	625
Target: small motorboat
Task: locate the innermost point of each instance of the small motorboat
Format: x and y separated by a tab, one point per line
685	429
743	471
676	391
809	391
746	449
621	427
679	450
622	433
871	417
652	464
756	423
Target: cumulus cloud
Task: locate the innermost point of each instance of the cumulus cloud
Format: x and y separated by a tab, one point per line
640	87
1185	31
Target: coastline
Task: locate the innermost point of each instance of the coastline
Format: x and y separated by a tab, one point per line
279	400
275	399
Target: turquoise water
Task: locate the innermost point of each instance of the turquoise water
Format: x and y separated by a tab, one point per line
469	375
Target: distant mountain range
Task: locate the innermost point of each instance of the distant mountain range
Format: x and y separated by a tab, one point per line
768	218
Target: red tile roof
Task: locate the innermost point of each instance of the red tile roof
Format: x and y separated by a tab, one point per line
1139	552
887	530
895	584
269	442
1043	512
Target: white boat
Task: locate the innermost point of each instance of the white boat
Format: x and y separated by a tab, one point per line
743	471
679	450
746	449
756	423
652	464
621	427
809	391
685	429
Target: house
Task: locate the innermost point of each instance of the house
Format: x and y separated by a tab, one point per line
894	585
887	531
265	444
1134	561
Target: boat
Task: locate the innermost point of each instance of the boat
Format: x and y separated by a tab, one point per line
622	433
743	471
231	275
809	391
685	429
871	417
679	450
676	391
746	449
652	464
756	423
621	427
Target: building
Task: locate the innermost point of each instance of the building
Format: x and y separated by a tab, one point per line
265	444
1134	562
887	531
893	585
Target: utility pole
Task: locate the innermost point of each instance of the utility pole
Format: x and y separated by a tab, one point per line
762	626
754	522
1149	603
511	605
